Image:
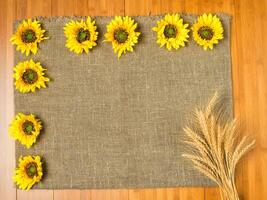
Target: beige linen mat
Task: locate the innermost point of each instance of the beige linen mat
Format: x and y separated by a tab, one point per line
112	123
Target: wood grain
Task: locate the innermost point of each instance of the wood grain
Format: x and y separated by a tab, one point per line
88	7
27	9
7	147
249	72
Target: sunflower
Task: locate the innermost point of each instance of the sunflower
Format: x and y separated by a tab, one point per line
121	33
29	75
27	36
207	31
172	32
81	35
25	129
28	172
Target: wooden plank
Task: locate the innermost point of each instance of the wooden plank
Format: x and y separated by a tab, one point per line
192	193
250	77
142	194
154	7
118	194
225	7
147	7
32	8
70	8
100	194
109	194
199	7
7	150
212	194
167	194
85	8
27	9
137	7
72	195
35	194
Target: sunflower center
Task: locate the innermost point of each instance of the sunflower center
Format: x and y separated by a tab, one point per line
170	31
83	35
29	76
28	36
121	35
206	33
31	169
28	127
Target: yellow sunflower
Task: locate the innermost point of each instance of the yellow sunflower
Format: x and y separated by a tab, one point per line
81	35
28	172
28	35
25	129
28	76
121	33
171	31
207	31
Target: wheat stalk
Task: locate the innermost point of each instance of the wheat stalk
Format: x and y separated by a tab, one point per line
215	146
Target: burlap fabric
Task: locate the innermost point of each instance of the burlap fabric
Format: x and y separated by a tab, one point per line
112	123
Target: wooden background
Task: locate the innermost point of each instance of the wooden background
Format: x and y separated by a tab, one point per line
249	64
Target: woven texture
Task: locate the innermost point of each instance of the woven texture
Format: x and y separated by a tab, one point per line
112	123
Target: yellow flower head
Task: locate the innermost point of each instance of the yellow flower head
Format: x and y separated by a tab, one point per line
25	129
28	35
121	33
28	172
207	31
171	31
81	35
28	76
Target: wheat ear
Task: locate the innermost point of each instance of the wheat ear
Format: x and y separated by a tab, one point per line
215	147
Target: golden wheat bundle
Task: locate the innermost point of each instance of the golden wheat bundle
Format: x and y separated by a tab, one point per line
216	146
